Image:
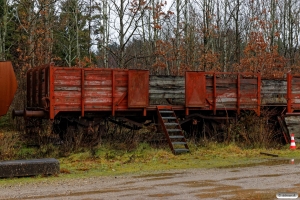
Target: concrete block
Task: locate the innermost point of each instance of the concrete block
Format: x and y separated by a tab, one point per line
33	167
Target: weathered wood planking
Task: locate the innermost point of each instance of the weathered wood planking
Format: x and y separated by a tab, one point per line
166	87
293	125
272	91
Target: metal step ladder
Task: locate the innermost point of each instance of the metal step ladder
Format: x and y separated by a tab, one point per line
172	129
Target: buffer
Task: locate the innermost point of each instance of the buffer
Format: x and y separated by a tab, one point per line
172	129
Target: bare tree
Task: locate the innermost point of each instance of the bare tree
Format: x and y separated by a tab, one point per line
127	17
4	20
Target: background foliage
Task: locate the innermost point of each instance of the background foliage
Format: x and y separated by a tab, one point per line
166	37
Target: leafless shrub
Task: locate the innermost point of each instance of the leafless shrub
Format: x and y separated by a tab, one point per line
121	138
253	130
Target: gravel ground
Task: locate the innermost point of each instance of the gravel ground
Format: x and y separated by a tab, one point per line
255	182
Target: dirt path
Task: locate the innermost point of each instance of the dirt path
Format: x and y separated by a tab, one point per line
256	182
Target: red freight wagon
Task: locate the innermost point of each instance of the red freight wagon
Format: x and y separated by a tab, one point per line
84	95
51	90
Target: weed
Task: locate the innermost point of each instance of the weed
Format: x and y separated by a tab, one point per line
26	152
255	131
5	122
9	145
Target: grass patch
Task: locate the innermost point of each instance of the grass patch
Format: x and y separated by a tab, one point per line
110	162
106	160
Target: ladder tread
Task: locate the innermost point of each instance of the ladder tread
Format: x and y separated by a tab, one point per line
168	117
171	124
181	150
176	136
166	111
174	130
178	143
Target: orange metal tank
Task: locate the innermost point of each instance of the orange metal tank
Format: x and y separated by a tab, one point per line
8	86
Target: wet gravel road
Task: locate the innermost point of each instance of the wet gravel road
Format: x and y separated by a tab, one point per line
253	182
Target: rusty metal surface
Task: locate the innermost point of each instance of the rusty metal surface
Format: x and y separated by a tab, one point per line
8	86
37	86
34	167
138	89
223	91
17	113
87	90
293	93
195	89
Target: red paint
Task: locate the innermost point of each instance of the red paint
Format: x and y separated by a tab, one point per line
293	96
222	91
82	90
138	88
195	90
8	86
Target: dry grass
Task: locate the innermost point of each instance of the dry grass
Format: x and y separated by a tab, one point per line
255	131
9	146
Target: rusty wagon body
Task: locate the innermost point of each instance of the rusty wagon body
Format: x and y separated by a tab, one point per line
85	95
55	90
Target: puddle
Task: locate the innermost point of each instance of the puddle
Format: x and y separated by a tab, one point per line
270	162
169	184
281	162
258	176
159	178
207	183
158	175
270	175
233	179
162	195
248	194
226	188
129	182
79	194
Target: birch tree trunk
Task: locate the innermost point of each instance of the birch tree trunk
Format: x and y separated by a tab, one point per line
105	17
3	28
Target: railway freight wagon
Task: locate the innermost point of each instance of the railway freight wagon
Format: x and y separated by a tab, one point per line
132	98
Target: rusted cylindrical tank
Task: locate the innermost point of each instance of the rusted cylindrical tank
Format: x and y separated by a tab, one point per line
8	86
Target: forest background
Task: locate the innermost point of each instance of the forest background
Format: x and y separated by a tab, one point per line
165	37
